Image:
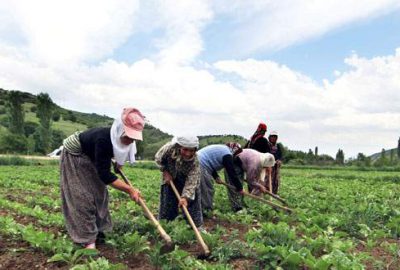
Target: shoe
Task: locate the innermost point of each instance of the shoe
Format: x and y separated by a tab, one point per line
101	238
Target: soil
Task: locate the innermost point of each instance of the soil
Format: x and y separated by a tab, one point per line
380	253
18	255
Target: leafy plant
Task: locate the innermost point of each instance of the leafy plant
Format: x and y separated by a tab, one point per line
130	243
73	257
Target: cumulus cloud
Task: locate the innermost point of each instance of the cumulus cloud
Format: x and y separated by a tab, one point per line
180	94
61	32
272	25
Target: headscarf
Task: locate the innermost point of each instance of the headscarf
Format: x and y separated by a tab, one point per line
186	141
260	132
267	160
235	148
122	152
183	141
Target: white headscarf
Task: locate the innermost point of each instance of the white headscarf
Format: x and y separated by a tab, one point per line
267	160
187	141
122	152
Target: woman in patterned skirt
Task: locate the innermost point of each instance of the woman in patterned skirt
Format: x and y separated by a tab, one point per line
179	164
85	172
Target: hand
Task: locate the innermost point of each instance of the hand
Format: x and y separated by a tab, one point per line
241	192
135	195
263	189
167	177
183	202
278	163
219	181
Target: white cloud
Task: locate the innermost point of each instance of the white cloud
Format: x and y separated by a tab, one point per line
61	32
179	94
272	25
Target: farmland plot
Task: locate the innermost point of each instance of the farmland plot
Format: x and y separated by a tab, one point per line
343	219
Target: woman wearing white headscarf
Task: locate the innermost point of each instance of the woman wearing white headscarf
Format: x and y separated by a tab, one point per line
85	172
252	166
178	163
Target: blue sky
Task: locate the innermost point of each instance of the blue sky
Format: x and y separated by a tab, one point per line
322	73
317	57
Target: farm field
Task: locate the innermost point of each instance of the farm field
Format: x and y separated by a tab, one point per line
344	219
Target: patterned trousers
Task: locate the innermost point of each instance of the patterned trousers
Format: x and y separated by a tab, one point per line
169	203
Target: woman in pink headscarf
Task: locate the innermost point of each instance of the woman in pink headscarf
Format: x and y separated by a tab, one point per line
85	172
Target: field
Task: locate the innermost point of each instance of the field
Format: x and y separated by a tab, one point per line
344	219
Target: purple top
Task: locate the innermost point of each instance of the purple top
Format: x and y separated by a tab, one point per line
251	164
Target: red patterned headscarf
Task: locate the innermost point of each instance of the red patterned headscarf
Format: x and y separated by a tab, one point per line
235	148
260	132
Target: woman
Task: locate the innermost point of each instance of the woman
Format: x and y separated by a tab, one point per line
86	171
256	166
258	141
212	159
178	163
276	150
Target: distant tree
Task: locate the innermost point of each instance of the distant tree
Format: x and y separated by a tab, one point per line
15	112
383	154
45	108
140	146
398	149
310	158
392	153
56	116
316	151
13	143
30	128
57	138
340	157
361	157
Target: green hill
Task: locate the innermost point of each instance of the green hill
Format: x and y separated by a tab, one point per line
377	156
66	122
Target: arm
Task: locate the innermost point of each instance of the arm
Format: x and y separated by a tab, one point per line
102	163
227	160
192	182
160	156
122	186
215	175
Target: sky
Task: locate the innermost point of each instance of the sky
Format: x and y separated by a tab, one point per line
321	73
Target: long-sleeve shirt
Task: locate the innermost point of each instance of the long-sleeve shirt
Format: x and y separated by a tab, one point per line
169	159
96	144
216	157
250	160
276	151
261	145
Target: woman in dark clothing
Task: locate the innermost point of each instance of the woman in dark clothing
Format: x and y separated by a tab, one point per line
258	141
277	152
85	172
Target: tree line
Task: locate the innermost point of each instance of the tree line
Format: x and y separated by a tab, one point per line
29	137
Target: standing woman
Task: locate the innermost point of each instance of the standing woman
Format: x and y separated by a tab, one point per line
179	164
85	172
276	150
258	141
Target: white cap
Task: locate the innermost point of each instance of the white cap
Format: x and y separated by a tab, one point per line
273	133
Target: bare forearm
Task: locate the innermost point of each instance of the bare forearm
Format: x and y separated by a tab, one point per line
122	186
